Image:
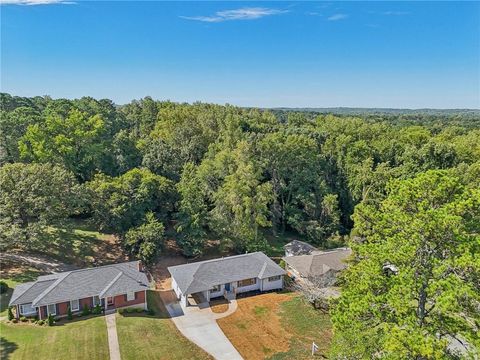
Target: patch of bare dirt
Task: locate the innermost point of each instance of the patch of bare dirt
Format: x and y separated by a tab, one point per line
25	267
219	305
255	328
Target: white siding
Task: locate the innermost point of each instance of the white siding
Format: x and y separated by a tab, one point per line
255	286
271	285
217	293
176	289
183	301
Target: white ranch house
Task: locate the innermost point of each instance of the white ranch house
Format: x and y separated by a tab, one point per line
226	277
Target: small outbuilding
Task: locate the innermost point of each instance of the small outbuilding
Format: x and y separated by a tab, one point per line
319	268
296	247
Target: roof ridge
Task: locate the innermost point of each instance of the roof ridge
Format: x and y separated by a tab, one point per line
98	267
260	274
218	259
110	284
51	287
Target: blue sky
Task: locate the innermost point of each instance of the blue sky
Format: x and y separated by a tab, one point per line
269	54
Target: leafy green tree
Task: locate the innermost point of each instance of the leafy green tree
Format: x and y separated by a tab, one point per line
193	213
120	203
32	197
125	152
146	240
74	141
241	204
413	285
13	126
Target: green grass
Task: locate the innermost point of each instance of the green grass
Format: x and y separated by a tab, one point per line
308	325
261	310
154	337
82	339
76	241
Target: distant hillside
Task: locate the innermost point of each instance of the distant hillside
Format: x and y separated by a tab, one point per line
468	118
372	111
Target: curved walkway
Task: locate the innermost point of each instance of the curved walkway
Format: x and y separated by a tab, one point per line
197	323
232	307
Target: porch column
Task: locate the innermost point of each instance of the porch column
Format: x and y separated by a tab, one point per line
17	312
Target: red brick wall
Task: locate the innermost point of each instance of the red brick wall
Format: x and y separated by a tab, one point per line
88	301
120	300
62	308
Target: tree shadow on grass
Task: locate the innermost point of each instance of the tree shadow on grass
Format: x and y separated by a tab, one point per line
4	300
6	348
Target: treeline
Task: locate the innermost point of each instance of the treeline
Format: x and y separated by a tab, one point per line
207	171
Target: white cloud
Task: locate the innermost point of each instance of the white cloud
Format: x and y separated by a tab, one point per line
337	17
398	13
237	14
313	13
34	2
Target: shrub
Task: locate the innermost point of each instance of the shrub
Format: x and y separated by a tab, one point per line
40	322
121	311
69	314
14	320
282	264
139	310
130	310
86	310
3	287
97	309
10	314
151	312
50	320
23	319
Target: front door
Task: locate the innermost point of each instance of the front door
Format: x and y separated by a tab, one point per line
227	287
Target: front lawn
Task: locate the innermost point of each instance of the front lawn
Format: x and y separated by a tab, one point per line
82	339
145	337
277	326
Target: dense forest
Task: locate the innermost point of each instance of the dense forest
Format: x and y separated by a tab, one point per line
399	188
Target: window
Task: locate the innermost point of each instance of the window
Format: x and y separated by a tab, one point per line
52	309
247	282
130	296
27	309
96	300
110	300
274	278
74	305
216	288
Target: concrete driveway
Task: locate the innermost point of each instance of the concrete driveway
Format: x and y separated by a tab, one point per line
197	323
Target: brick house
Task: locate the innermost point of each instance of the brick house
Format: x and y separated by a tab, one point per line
111	286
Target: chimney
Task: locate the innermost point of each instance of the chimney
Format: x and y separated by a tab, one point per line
140	266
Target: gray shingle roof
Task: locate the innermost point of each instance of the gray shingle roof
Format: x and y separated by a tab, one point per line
297	247
204	275
27	292
80	284
319	263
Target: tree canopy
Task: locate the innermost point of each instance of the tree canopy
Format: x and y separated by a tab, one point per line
413	284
